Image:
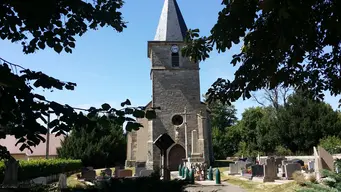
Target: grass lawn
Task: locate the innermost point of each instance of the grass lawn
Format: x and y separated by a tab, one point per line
73	182
252	186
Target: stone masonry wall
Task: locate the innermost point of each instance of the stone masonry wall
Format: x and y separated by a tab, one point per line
173	89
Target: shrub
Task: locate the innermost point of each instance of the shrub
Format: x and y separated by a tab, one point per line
331	183
332	144
312	178
282	151
102	146
43	167
299	178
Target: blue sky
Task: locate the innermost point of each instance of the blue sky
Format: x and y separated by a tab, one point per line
111	67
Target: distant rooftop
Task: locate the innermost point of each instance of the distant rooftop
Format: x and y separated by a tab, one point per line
39	150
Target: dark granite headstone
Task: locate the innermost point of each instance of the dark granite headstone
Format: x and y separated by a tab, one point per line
257	170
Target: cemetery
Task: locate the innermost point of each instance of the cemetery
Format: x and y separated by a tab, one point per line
275	168
179	138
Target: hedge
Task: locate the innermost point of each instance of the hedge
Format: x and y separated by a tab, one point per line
43	167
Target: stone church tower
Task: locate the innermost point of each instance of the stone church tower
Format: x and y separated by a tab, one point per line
176	90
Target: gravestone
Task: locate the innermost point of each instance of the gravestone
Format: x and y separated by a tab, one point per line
327	160
233	169
62	184
311	165
262	161
89	175
146	173
139	166
108	172
257	170
270	170
117	169
279	160
125	173
290	169
286	162
241	165
11	172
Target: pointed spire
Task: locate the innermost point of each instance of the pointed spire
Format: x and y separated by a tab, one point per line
172	26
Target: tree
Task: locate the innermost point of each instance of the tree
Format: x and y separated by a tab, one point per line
222	118
257	132
103	146
332	144
285	43
275	97
55	24
222	115
303	122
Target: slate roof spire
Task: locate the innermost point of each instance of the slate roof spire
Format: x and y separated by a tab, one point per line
172	26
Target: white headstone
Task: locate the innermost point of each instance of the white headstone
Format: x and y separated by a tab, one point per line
311	165
233	168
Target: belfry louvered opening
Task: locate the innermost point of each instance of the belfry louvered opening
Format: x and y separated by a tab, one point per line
175	60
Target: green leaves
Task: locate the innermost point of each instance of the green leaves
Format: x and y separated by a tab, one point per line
106	106
56	25
150	114
304	53
127	102
132	126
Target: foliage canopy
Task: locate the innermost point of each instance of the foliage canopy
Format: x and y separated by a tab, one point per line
292	43
55	24
103	146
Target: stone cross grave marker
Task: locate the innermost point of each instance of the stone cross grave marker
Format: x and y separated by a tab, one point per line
270	170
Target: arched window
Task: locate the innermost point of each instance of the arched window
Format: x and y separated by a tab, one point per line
175	60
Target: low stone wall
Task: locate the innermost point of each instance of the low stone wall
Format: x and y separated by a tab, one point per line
306	159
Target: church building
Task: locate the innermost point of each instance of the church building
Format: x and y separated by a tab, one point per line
176	91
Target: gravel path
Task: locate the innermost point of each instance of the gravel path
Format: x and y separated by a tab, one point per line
206	188
214	188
